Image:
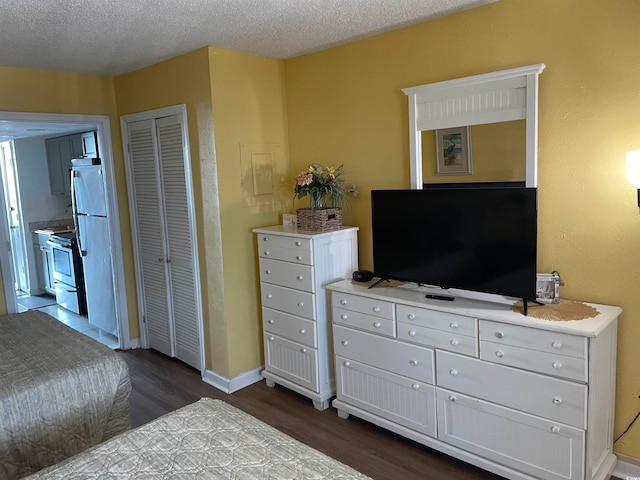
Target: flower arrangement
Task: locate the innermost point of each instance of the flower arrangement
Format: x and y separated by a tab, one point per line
324	186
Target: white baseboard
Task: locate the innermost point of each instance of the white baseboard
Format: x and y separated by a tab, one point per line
230	385
626	468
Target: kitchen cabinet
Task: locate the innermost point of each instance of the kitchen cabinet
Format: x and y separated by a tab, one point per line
295	267
518	396
60	152
43	259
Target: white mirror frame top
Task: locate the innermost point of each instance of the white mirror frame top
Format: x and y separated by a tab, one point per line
488	98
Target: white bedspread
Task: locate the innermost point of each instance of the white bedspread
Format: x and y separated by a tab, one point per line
208	439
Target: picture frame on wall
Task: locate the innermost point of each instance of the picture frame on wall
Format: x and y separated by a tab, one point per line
453	151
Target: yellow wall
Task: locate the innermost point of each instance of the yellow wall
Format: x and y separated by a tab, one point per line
39	91
249	107
247	94
345	105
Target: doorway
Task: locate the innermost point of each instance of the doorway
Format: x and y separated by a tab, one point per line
52	124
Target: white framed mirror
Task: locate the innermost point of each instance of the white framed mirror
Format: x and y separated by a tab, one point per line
496	106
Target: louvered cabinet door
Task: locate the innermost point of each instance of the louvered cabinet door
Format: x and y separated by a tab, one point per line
180	252
149	220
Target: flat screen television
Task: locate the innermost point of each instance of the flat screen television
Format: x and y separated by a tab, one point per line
482	239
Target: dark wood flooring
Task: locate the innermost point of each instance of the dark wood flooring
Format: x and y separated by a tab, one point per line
161	385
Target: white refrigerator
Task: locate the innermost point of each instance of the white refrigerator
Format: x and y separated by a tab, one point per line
92	232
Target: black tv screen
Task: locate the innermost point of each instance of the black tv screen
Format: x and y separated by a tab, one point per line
481	239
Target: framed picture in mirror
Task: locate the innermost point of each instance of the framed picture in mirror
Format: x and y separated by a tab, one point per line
453	152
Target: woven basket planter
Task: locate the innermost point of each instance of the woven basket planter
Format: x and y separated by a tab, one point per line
319	220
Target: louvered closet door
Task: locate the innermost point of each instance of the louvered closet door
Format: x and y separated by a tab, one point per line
150	235
179	242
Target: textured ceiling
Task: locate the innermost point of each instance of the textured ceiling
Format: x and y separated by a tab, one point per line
112	37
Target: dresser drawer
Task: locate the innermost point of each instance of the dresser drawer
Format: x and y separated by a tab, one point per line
288	300
534	339
297	244
438	339
286	254
548	397
449	322
381	326
370	306
534	360
409	360
287	274
540	448
289	326
394	397
291	360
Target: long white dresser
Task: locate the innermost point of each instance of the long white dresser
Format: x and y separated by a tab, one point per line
521	397
295	267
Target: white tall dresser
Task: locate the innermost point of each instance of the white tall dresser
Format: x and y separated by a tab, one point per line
519	396
295	267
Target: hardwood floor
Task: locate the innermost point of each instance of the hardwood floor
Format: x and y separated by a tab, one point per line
161	385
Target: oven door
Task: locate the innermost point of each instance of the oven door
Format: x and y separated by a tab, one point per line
62	264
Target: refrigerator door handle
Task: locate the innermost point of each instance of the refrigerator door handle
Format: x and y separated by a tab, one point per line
74	210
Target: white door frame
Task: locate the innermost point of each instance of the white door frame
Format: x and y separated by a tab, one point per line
101	122
151	115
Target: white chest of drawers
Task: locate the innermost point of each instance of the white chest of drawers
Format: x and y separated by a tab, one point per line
521	397
295	267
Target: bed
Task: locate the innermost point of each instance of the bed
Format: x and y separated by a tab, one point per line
208	439
60	393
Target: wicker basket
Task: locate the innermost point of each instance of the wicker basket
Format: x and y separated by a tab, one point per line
320	220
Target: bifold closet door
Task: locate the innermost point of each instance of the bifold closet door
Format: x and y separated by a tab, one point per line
164	247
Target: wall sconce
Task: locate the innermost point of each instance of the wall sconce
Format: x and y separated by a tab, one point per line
633	170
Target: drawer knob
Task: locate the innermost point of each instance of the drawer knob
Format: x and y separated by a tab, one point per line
555	429
298	244
453	372
266	253
344	316
499	354
265	239
302	331
557	345
453	325
345	342
557	401
413	363
347	364
271	339
298	257
452	398
303	350
270	320
268	272
411	316
377	324
415	386
499	335
455	342
299	277
376	309
412	333
300	304
557	365
269	295
343	302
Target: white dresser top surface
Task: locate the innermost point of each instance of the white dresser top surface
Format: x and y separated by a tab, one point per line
293	230
465	304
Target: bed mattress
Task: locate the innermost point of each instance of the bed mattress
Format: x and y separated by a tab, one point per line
60	393
209	439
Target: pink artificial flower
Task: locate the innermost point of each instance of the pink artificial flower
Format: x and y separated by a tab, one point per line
303	179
